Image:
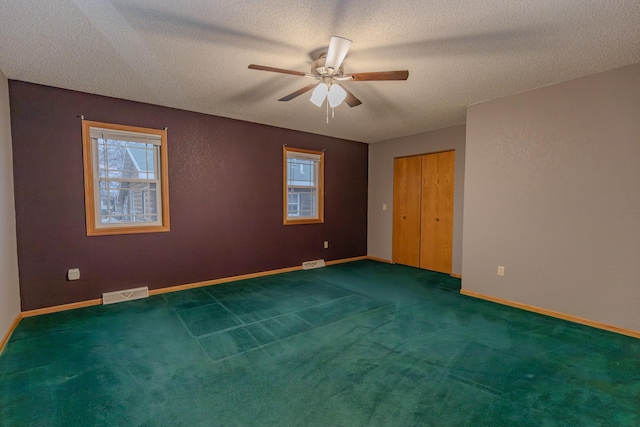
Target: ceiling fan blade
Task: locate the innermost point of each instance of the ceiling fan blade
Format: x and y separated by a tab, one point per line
381	75
298	92
351	99
276	70
338	48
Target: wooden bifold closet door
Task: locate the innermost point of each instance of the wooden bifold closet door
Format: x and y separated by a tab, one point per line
407	190
423	211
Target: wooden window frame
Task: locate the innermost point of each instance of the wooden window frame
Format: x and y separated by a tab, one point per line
287	220
94	228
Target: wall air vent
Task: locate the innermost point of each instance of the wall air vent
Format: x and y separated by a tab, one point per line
125	295
308	265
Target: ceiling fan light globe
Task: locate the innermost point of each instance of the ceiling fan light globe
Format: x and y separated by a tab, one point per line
336	95
319	94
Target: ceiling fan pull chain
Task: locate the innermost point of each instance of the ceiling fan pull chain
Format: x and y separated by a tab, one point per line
327	112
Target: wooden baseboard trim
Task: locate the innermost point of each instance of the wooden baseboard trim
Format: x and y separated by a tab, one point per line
456	276
375	258
6	337
98	301
552	313
63	307
222	280
244	277
343	260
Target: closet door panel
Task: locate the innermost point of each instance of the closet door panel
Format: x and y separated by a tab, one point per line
429	209
406	210
444	250
436	240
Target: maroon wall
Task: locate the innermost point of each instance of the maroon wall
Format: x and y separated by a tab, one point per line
225	192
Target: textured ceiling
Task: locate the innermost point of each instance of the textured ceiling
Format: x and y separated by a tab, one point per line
194	54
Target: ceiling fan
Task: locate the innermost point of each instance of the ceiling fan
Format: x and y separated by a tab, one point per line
328	71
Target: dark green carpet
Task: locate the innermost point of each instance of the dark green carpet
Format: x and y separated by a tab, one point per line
358	344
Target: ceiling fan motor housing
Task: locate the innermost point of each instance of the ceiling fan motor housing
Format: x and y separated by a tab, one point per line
318	68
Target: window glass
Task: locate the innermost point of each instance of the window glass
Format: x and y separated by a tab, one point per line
303	186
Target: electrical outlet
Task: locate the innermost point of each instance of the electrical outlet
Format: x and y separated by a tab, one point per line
384	206
326	244
73	274
500	270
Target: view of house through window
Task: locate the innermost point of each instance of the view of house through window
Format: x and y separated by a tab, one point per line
303	176
125	171
128	185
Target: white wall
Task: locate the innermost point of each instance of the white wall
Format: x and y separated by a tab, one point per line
9	287
552	192
381	155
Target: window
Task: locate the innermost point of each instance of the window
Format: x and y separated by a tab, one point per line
125	179
303	186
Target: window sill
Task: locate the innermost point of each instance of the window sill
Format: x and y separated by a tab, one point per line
126	230
303	221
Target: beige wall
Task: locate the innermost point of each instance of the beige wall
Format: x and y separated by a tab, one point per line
9	290
552	192
381	155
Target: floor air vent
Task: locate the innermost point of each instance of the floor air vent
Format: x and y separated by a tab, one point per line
126	295
308	265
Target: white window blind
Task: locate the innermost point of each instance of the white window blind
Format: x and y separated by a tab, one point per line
303	155
119	135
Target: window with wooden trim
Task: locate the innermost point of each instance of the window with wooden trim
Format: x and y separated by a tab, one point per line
125	179
303	186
